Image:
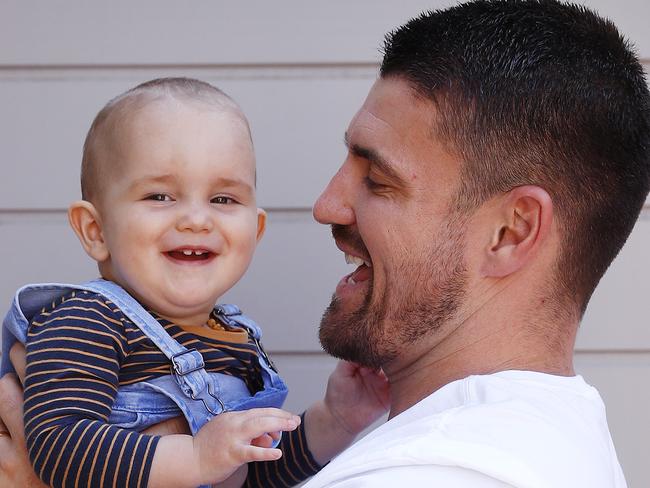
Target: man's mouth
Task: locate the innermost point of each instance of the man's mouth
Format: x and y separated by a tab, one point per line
190	254
362	273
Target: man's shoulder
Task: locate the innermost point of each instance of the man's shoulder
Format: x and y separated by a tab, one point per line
516	428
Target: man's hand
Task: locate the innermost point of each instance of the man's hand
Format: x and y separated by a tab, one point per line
15	468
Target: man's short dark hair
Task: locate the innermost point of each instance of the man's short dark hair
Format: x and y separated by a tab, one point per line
542	93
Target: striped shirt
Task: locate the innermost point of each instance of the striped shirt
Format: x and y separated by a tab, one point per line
79	351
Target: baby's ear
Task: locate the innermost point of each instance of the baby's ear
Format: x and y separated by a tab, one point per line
86	223
261	223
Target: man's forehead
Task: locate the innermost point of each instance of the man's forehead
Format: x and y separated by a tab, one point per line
397	127
392	110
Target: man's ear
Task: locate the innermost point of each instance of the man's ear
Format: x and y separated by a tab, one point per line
261	223
86	223
524	219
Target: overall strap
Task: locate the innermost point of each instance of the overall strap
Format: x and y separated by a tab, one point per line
232	316
187	364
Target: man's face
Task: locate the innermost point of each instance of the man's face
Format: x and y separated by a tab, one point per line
390	210
179	215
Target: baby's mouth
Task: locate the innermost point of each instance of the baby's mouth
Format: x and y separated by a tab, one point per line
190	254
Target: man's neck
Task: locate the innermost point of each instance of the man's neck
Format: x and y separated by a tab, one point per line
498	341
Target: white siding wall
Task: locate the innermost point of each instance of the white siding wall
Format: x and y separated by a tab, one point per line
300	70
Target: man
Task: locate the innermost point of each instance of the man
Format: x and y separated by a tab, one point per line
493	173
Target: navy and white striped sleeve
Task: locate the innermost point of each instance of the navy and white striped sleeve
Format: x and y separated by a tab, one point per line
74	353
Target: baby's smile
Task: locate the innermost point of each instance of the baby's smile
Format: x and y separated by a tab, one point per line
190	254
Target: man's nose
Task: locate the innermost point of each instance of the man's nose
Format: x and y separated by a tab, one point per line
195	217
334	205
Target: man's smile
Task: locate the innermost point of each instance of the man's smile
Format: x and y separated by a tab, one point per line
362	273
355	252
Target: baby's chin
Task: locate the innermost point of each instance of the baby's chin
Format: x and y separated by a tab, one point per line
181	309
185	316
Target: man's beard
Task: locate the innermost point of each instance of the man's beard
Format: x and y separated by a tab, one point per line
424	294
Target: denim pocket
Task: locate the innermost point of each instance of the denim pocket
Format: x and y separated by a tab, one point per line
126	419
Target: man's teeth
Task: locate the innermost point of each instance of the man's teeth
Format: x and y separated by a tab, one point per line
350	259
189	252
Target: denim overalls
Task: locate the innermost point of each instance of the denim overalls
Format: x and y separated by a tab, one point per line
189	389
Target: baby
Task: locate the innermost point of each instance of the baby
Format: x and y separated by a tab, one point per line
169	213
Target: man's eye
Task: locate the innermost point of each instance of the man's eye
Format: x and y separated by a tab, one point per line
159	197
371	184
221	200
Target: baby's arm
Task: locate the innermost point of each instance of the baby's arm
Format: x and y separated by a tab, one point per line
219	448
356	396
74	355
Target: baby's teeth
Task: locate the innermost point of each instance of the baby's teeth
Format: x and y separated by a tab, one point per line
199	253
187	252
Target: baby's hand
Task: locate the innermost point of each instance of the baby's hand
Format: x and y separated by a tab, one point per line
356	396
354	399
236	438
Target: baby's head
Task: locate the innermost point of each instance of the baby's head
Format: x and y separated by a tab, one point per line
168	186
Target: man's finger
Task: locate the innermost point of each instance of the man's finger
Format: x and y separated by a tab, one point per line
176	425
18	357
11	407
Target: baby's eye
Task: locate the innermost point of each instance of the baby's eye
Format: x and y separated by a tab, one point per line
221	200
159	197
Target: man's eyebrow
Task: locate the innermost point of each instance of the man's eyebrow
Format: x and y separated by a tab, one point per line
375	159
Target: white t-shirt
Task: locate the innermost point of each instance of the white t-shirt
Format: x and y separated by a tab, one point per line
512	428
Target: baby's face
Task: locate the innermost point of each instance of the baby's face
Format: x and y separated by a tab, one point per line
179	215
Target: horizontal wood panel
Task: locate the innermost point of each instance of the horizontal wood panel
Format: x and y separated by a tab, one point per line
622	380
72	32
199	32
296	269
298	117
617	316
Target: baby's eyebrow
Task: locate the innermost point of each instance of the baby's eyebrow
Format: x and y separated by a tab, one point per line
231	182
164	178
220	182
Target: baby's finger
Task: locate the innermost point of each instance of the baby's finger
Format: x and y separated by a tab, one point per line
268	412
265	440
256	454
258	426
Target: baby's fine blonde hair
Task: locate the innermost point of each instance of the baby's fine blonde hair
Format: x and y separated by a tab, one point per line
93	167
